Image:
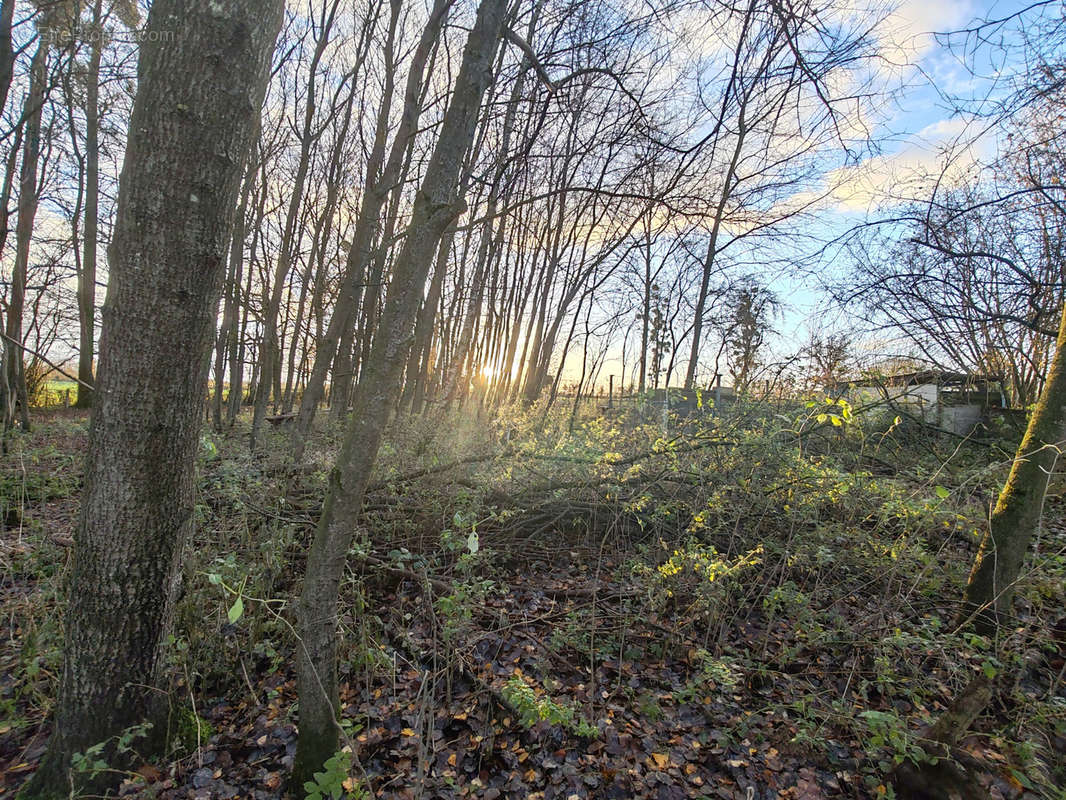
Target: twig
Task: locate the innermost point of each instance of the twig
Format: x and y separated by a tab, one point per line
56	367
421	473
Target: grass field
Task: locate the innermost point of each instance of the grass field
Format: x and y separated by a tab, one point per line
55	393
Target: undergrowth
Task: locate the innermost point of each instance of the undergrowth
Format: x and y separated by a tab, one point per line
801	561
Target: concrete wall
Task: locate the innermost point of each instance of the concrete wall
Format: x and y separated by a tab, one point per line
918	400
960	419
922	402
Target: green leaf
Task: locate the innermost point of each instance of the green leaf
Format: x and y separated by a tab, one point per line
1022	778
214	578
236	610
942	492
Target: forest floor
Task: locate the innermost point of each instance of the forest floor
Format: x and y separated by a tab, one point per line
533	609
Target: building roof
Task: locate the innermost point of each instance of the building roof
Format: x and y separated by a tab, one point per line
924	377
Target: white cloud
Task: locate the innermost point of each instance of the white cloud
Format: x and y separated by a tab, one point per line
907	33
945	151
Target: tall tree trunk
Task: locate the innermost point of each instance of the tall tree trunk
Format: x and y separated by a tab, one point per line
201	76
239	337
712	251
227	331
336	347
87	274
270	359
5	229
645	314
5	190
1016	517
434	208
291	382
7	52
418	362
490	246
15	374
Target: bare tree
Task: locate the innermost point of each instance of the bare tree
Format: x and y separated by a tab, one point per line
435	207
7	52
383	177
14	365
202	71
311	131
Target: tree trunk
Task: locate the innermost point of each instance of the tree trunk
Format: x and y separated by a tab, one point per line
1016	517
7	52
15	375
434	208
712	251
87	275
201	75
336	347
239	337
418	361
270	361
227	339
490	246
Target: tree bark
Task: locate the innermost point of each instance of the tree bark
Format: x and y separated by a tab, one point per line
87	274
15	375
1016	516
7	52
434	208
201	75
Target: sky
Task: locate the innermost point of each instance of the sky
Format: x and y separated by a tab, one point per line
913	130
917	129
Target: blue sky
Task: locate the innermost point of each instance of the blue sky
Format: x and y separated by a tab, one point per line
912	125
916	129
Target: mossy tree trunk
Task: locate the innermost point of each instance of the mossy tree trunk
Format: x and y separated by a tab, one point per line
201	76
1016	516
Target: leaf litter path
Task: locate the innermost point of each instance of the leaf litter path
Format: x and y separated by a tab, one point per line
433	719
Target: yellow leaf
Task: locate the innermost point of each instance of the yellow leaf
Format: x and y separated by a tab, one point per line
662	760
408	732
